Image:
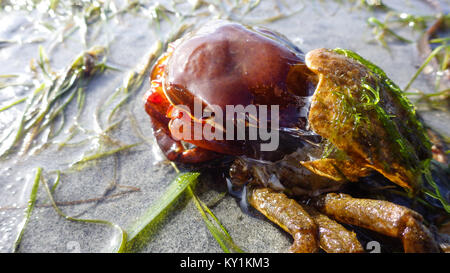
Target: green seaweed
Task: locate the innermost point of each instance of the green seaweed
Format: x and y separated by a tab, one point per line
133	80
57	181
103	154
404	149
137	232
48	101
12	104
425	63
120	241
29	209
406	105
143	227
217	230
381	30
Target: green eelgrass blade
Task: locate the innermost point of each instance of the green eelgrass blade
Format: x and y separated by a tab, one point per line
48	102
29	210
437	194
375	22
121	241
425	63
19	132
134	80
44	62
221	235
252	5
12	104
56	183
53	4
104	154
439	40
175	189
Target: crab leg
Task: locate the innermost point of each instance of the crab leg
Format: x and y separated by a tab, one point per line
157	106
174	150
290	216
380	216
309	228
333	237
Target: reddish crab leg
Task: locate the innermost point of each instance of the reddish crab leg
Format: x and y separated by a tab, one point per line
174	150
156	106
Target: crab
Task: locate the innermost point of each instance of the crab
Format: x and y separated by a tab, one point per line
340	119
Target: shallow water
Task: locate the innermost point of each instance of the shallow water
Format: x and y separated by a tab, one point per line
130	35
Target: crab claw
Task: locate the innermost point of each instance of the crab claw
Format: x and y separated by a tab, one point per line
364	114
